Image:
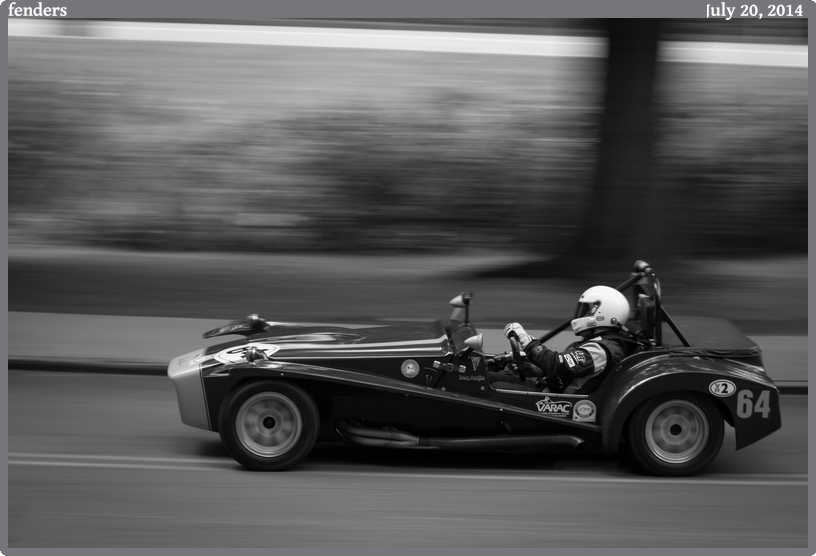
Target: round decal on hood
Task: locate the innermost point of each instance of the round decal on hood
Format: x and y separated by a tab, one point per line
410	368
236	354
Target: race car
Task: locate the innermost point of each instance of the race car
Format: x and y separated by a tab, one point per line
282	387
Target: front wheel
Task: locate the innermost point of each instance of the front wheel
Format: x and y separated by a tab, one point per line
269	426
676	434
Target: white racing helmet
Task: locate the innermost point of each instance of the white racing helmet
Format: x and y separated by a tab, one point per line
597	307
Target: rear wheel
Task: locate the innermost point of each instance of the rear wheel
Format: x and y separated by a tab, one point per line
269	426
676	434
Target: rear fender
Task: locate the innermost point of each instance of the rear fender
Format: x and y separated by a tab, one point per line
747	398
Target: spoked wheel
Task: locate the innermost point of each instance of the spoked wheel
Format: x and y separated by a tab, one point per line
676	434
269	426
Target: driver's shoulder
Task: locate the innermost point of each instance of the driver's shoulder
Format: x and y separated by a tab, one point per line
613	341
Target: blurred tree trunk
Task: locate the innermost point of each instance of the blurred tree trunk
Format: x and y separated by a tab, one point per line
619	223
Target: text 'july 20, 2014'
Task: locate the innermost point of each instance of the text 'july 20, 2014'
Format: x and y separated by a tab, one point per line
723	11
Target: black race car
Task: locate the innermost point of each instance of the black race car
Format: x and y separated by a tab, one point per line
282	387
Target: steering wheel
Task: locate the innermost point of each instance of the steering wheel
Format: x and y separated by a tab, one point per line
514	346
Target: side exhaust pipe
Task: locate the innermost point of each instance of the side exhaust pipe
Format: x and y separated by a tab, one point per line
357	433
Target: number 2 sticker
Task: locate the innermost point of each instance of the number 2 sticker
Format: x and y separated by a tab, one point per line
746	405
722	388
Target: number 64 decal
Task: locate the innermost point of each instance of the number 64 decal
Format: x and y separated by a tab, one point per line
746	405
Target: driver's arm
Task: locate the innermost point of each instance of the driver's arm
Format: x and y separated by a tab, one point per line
567	365
570	364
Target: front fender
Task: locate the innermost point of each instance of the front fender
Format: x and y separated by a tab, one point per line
748	399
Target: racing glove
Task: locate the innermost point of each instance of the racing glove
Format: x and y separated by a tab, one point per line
515	329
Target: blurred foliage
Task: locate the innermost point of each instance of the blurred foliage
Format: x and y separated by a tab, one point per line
452	168
443	174
739	159
450	171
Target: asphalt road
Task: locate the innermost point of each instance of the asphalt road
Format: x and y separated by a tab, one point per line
103	460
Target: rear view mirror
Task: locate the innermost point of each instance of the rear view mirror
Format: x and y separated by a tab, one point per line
462	300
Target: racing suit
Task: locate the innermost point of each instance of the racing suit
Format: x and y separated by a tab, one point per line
569	370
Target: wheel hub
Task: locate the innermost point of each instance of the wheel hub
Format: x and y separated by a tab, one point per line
268	424
677	431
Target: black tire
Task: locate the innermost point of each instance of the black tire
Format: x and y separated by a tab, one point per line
676	434
269	426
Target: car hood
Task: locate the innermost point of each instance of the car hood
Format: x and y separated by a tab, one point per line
285	342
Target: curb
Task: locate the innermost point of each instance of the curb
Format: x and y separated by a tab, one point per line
157	369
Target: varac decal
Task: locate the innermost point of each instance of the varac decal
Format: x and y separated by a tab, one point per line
236	354
475	361
554	408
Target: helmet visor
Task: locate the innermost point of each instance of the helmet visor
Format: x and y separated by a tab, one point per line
586	309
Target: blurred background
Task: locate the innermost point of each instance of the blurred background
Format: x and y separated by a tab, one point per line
635	139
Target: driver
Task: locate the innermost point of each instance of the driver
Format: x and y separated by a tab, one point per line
602	344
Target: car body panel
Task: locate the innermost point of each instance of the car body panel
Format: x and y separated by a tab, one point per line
673	372
185	373
450	390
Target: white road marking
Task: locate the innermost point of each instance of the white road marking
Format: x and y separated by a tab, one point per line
90	93
209	464
580	479
112	458
109	465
